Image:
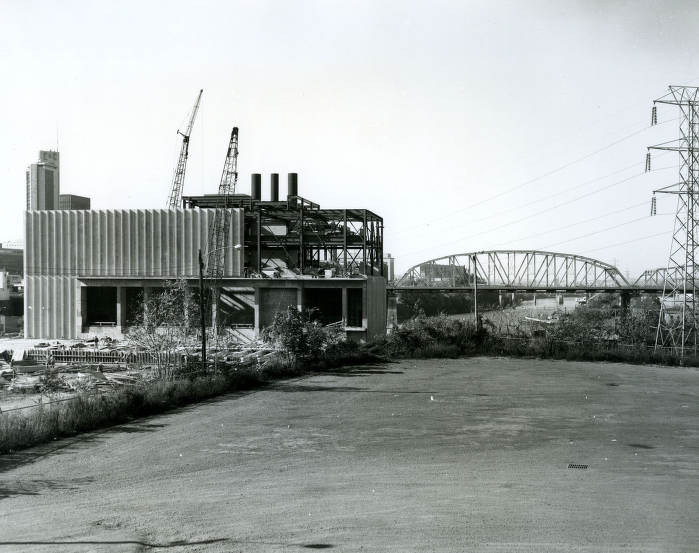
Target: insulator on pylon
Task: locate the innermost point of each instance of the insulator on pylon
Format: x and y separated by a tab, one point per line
653	206
647	162
654	116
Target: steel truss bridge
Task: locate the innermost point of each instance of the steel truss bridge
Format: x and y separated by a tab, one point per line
523	270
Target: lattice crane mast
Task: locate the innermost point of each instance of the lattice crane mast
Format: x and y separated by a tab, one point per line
178	179
218	233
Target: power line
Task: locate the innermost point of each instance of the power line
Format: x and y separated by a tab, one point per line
604	230
531	215
628	242
555	194
579	222
540	177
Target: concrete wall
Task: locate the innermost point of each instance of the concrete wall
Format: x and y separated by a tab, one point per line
375	311
62	246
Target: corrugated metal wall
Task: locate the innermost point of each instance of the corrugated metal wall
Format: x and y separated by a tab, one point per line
60	246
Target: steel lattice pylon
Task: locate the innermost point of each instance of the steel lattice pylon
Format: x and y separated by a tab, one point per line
677	324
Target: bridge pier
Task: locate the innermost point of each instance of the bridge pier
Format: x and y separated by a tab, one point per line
559	298
500	300
625	301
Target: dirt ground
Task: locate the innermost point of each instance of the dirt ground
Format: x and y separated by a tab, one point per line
455	455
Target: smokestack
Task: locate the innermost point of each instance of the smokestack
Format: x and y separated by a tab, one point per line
293	184
256	186
274	187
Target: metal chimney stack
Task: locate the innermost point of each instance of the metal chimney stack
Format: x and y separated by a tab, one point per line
256	186
293	184
274	187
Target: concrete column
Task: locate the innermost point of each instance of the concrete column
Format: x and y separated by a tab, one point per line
365	311
500	298
299	298
80	309
147	292
513	299
559	299
344	306
256	307
392	312
120	308
534	299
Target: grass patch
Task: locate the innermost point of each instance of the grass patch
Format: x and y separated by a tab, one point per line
90	411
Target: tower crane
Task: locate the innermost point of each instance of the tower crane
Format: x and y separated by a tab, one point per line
218	232
178	179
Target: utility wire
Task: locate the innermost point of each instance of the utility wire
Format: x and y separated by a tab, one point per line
577	223
605	229
555	194
531	215
540	177
629	241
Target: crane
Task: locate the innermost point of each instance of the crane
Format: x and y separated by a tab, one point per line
178	179
218	232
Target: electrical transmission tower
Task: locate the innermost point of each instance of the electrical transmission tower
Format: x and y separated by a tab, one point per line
677	324
219	231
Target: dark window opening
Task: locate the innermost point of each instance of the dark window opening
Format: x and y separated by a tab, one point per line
101	306
354	307
133	305
236	308
325	304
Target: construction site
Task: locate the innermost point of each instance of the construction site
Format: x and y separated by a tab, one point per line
88	272
90	275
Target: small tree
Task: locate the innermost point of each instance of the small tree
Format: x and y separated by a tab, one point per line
297	335
166	323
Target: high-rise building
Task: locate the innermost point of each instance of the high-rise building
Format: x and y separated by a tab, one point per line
43	182
71	201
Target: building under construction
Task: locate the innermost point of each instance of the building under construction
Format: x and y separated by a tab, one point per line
87	271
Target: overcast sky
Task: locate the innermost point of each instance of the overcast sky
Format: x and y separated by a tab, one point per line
466	125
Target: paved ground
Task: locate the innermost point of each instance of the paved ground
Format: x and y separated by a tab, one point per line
458	455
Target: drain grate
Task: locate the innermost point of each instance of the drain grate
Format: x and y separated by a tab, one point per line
577	466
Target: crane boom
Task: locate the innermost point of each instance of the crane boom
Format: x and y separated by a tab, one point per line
178	179
218	233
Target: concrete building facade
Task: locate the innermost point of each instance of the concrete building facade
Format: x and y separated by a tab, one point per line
43	181
87	272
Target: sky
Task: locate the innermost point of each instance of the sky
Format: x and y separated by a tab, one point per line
467	126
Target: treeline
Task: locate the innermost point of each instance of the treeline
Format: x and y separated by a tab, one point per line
415	304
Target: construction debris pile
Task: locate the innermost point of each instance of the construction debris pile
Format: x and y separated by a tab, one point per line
62	369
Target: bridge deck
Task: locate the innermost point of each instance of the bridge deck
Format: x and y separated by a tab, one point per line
650	289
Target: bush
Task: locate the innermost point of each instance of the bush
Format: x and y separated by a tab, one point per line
441	335
298	336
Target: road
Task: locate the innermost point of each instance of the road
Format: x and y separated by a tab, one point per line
448	455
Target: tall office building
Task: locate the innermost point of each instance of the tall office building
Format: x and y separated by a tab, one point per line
43	182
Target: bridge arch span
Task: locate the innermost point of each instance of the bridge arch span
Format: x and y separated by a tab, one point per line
514	270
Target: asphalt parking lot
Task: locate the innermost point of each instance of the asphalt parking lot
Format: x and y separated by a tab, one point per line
434	455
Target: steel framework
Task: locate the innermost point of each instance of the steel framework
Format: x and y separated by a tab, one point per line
677	323
515	270
305	236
